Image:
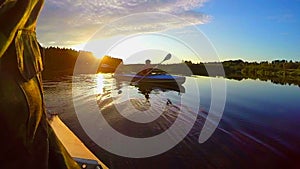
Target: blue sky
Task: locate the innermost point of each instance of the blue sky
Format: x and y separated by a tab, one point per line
253	30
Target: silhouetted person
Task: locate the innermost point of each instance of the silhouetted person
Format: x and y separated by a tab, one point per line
27	140
147	68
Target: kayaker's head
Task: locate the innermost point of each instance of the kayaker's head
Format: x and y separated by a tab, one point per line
148	62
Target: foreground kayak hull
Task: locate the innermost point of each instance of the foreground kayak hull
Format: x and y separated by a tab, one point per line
81	154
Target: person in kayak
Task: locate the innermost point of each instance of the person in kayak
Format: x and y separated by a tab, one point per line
147	68
27	139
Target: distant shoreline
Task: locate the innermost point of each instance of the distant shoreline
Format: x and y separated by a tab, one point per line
61	62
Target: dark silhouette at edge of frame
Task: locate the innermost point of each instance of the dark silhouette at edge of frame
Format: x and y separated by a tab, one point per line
28	140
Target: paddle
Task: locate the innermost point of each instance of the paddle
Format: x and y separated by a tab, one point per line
168	57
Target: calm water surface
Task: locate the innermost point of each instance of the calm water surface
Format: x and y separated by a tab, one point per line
259	127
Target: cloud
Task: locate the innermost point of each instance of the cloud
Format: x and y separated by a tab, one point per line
71	22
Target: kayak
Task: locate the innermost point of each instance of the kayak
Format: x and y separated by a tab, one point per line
80	153
153	78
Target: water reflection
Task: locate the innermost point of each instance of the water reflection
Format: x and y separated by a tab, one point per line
100	86
146	88
259	128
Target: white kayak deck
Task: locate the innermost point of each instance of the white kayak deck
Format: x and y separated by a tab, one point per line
71	142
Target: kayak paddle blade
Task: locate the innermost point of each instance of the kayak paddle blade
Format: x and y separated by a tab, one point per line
168	57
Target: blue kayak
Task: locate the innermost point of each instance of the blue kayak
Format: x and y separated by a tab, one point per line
156	78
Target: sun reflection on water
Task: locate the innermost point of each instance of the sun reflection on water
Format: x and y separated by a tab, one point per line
100	83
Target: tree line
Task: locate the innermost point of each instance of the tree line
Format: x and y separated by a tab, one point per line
277	71
61	62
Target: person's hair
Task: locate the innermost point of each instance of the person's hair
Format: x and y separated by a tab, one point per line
148	61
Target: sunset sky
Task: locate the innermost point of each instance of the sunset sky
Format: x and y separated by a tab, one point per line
250	30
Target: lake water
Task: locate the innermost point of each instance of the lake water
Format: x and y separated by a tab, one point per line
259	127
